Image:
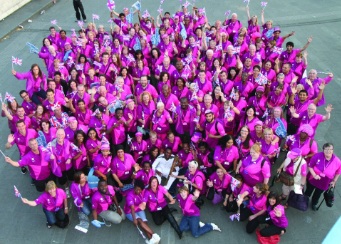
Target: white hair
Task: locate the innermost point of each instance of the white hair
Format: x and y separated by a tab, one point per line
193	164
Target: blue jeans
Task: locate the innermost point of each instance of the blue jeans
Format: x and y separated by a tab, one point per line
192	223
52	216
86	209
37	94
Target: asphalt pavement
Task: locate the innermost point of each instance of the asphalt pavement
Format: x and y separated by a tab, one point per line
20	223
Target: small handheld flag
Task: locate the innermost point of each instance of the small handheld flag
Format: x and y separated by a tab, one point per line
16	192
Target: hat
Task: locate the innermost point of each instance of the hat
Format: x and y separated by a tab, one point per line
105	145
67	43
294	153
196	137
259	123
138	134
277	29
260	89
176	16
306	128
208	111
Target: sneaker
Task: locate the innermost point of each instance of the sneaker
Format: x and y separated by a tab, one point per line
155	239
48	225
23	170
201	224
67	191
215	227
232	217
237	216
84	20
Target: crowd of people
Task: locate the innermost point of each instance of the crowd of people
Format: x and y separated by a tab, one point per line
177	108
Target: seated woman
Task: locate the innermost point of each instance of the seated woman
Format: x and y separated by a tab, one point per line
191	214
81	193
157	204
275	219
234	192
256	206
145	173
54	203
134	210
218	182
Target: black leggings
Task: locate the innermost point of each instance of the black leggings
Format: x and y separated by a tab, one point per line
40	184
317	193
271	229
66	175
78	6
252	225
160	216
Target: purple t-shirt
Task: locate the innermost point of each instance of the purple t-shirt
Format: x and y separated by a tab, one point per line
282	221
50	203
38	164
226	156
23	141
133	200
188	206
101	202
123	169
156	200
253	172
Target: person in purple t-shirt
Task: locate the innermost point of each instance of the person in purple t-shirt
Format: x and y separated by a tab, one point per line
54	203
324	171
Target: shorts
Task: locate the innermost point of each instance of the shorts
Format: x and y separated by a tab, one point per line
139	215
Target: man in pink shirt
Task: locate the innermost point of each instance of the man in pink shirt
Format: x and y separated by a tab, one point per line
81	94
145	86
28	105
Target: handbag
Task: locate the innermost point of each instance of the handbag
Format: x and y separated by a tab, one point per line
92	179
298	201
288	179
329	197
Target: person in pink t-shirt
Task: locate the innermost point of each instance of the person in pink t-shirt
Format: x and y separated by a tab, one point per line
155	196
173	142
254	209
160	121
218	182
249	119
134	209
254	168
80	160
324	171
191	214
226	154
54	204
138	147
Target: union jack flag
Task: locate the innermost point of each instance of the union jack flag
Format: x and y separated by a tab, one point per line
111	5
95	16
54	22
16	192
9	97
16	61
277	50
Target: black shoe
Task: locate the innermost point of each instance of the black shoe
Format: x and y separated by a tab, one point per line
84	20
48	226
77	20
32	182
23	170
314	207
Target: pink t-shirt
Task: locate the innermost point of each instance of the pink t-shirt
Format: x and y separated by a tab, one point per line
156	200
142	175
117	134
256	204
123	169
133	200
226	156
23	141
91	144
314	121
102	164
82	161
253	172
188	206
220	184
282	221
101	202
52	204
215	128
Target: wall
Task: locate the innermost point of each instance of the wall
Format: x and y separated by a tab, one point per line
9	6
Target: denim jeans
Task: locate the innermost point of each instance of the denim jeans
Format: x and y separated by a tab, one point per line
192	223
52	216
35	95
86	209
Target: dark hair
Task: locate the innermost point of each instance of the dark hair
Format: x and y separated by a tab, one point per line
273	195
60	32
93	129
121	15
290	44
151	157
77	176
40	73
49	90
139	183
101	180
157	50
163	73
79	132
46	39
229	75
223	140
52	28
20	121
246	109
203	144
57	73
138	52
22	92
303	91
82	56
118	109
239	177
256	67
328	144
80	101
246	143
45	121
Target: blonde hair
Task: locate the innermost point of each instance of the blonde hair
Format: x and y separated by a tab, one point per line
263	188
183	188
145	93
256	147
50	185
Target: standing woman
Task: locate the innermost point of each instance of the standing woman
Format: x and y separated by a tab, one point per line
191	214
325	169
254	168
36	83
295	166
160	121
38	116
54	204
134	210
81	193
250	119
48	131
80	159
269	147
157	204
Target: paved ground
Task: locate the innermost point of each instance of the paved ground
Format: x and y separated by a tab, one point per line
22	224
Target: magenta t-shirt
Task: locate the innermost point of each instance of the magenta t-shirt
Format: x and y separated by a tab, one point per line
220	184
23	141
123	169
188	206
156	200
102	164
282	221
133	200
142	175
38	164
226	156
256	204
253	172
52	204
101	202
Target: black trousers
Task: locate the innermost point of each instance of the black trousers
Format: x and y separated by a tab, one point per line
317	193
160	216
40	184
252	225
78	6
66	175
271	229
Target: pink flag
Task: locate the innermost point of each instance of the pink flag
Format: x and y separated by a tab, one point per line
263	4
16	61
54	22
95	16
146	14
111	5
9	97
80	24
160	10
16	192
227	13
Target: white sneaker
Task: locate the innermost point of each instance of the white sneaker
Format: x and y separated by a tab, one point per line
215	227
156	238
67	191
201	224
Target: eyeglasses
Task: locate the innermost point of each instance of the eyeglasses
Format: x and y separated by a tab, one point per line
328	149
244	131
